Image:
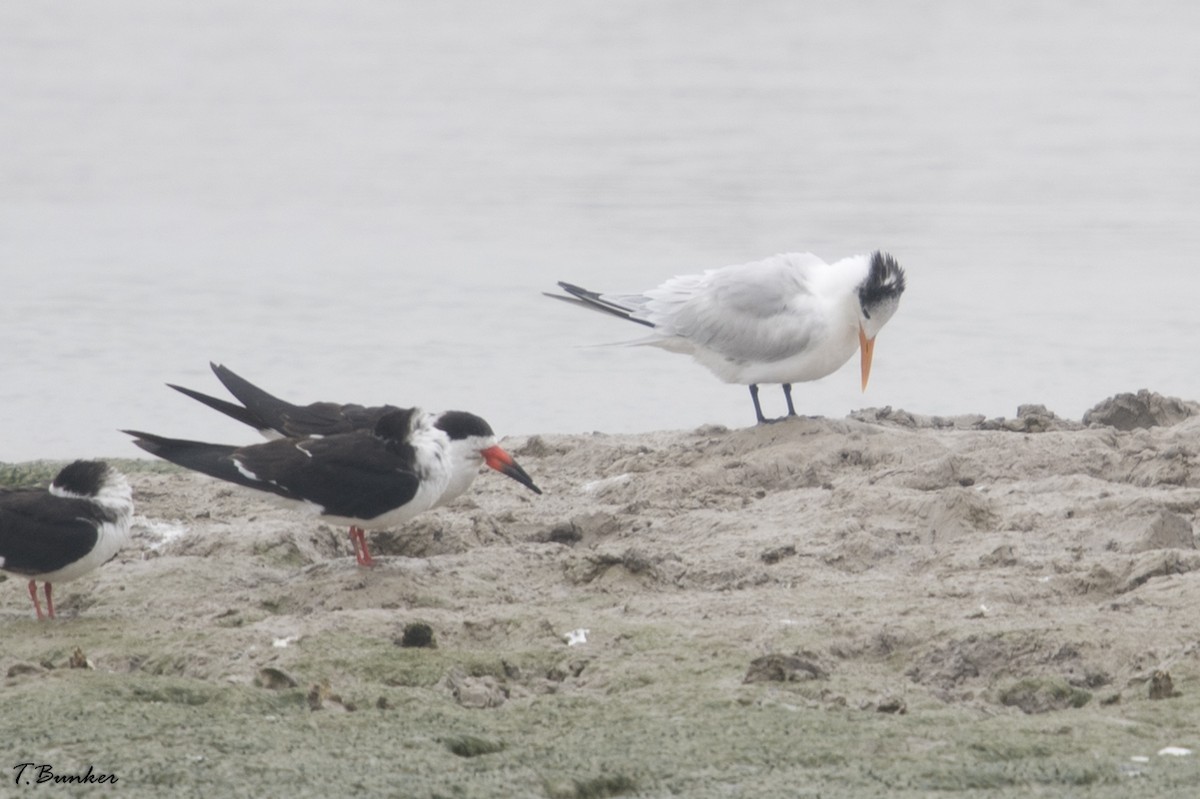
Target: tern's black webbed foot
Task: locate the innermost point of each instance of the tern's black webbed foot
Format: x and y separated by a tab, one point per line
758	414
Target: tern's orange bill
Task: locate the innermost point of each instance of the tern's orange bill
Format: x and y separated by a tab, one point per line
866	348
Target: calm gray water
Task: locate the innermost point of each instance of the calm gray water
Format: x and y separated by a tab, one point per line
362	201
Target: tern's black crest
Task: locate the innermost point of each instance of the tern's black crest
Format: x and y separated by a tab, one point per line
885	281
82	478
460	425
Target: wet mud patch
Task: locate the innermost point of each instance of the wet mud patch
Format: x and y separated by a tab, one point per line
967	668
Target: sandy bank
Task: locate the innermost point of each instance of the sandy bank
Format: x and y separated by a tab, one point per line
919	603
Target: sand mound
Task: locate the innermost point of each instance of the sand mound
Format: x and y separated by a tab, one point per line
784	603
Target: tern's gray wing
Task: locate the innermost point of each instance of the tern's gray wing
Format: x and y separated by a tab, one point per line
764	311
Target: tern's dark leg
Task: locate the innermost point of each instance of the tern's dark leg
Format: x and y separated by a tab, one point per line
787	393
757	408
49	601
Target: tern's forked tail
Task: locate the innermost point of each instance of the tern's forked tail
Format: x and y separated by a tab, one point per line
596	302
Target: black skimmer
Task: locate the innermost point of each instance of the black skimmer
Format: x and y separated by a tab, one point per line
787	319
276	418
409	462
62	532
